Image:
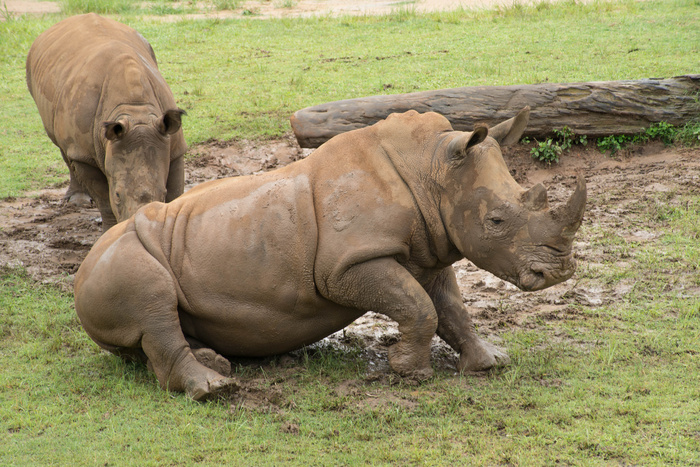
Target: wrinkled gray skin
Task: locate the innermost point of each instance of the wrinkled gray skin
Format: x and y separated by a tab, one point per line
106	106
372	220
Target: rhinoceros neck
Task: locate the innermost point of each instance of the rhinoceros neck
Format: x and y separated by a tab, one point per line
418	171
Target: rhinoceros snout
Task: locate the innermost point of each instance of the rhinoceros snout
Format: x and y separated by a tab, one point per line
125	203
540	275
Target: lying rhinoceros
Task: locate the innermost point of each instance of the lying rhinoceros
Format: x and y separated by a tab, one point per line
106	106
372	220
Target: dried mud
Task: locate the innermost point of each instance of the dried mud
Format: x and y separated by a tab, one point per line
50	239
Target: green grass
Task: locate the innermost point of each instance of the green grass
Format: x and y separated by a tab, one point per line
617	385
592	385
243	78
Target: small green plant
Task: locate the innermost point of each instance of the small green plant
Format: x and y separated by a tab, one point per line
612	143
548	151
662	130
688	135
566	138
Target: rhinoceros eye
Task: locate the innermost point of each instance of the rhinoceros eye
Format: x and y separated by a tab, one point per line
496	220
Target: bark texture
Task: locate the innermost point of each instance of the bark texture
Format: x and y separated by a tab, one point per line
593	109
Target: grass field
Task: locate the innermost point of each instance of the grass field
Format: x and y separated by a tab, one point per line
613	384
244	78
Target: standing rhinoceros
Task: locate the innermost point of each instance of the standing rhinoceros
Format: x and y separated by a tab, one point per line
106	106
372	220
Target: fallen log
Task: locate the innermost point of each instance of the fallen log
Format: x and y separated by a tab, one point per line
593	109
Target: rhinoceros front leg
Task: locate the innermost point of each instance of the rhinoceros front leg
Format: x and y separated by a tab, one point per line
383	286
176	179
456	328
94	181
76	193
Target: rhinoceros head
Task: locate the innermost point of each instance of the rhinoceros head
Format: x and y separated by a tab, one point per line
494	222
137	160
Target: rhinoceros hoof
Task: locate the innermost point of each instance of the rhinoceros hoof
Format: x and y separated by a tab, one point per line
418	375
212	360
409	364
80	200
482	356
210	389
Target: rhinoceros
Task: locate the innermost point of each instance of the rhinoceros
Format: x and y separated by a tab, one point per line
372	220
105	105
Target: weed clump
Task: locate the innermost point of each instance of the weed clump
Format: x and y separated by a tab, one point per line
687	135
549	150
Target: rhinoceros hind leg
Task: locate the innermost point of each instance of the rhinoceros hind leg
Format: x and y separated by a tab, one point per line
212	360
212	389
403	361
208	357
127	302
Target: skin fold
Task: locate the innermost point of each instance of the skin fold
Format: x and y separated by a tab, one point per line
372	220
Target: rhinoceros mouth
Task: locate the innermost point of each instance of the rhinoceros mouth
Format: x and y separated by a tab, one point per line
540	275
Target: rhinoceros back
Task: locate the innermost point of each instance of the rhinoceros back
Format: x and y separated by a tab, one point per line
238	236
77	73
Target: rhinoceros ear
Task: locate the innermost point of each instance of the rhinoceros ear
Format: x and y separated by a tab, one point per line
458	147
170	122
115	130
510	131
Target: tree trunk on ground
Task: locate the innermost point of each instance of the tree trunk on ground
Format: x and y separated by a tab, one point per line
593	109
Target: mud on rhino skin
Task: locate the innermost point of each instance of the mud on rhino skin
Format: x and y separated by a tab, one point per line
111	114
372	220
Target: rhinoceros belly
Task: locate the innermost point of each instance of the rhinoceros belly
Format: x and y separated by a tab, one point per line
242	252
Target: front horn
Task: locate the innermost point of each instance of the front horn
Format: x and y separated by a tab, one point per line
570	214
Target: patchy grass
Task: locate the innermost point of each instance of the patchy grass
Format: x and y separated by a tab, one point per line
610	384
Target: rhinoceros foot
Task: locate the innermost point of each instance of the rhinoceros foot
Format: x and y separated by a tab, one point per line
480	355
212	360
80	200
410	362
200	390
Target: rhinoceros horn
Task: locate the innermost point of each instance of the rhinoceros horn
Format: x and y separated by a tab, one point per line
570	214
535	199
